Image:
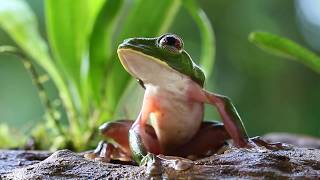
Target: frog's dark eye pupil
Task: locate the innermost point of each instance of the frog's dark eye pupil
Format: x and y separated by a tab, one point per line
171	42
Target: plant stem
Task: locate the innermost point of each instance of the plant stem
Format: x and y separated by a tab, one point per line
41	90
43	94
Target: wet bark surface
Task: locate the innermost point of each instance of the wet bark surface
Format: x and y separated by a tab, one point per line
234	163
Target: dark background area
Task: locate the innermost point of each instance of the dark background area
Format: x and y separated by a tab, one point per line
271	94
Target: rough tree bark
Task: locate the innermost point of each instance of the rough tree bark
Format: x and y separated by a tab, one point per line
234	163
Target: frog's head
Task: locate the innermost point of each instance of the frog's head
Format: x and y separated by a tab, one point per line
146	57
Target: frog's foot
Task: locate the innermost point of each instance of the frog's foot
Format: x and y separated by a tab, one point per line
177	163
106	152
257	141
102	152
156	163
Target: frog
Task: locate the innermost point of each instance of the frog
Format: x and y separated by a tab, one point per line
171	121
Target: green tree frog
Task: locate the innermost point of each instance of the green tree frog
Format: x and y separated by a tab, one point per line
171	118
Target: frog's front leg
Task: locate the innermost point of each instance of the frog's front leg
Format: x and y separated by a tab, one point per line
142	137
230	117
227	111
234	125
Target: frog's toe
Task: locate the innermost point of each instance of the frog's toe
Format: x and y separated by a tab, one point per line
257	141
107	152
101	153
182	165
177	163
154	165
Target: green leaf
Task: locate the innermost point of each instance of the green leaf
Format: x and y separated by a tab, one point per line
143	20
101	44
18	20
285	48
207	35
67	30
69	25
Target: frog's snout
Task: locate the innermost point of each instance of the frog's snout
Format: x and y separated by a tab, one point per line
125	43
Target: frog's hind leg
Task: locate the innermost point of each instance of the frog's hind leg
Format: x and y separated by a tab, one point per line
116	131
209	139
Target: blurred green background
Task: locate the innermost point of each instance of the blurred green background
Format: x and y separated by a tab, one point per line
270	94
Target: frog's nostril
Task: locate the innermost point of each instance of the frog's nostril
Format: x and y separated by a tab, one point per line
128	41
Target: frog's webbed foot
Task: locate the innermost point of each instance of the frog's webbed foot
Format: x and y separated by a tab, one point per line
156	163
153	163
258	141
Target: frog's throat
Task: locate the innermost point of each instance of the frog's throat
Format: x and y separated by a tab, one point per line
124	61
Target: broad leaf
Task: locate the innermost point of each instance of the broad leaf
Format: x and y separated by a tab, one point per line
207	36
285	48
18	20
101	44
69	25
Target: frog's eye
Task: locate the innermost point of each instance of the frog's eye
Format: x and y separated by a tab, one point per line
171	42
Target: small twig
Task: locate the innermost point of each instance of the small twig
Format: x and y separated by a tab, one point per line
38	83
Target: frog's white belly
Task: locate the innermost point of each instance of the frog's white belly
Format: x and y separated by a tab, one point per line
175	118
